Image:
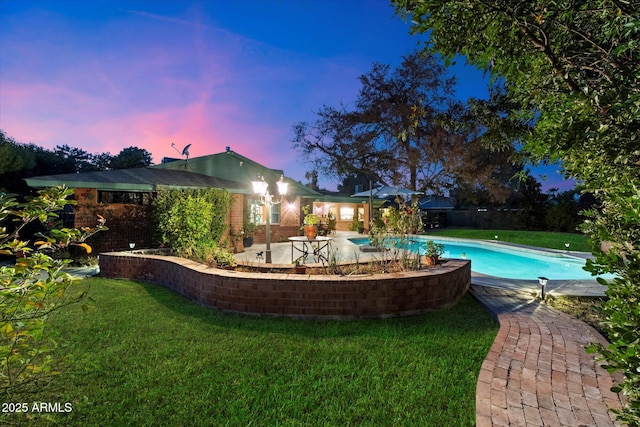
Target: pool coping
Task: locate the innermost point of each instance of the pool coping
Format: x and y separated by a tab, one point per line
562	287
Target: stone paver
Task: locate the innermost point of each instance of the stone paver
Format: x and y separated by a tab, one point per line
537	372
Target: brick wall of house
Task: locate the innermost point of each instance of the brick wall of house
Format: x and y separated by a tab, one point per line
289	223
127	223
131	223
321	296
236	219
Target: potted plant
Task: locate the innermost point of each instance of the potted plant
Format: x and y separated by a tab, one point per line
331	222
355	224
310	221
434	250
248	228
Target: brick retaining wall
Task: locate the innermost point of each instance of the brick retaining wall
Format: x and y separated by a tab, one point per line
294	295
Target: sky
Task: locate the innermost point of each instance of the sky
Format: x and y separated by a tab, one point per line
104	75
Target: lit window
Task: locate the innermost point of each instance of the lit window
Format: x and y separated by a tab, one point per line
346	214
258	211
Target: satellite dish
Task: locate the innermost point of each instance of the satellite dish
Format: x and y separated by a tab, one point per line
185	150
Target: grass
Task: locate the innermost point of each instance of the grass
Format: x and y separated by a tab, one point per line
541	239
146	356
587	309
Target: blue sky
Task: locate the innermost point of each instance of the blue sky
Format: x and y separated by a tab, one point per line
106	75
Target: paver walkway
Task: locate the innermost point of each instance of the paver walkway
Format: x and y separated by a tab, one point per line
537	372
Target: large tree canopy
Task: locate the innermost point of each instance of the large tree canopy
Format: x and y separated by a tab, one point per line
406	128
19	161
574	68
131	157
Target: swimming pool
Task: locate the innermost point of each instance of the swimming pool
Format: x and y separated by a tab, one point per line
512	263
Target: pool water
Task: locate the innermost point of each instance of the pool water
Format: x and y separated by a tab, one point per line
511	263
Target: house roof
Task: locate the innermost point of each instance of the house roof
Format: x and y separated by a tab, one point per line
138	179
228	170
227	165
434	202
236	167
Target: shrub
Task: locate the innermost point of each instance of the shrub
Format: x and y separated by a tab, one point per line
193	222
395	229
212	255
33	288
183	216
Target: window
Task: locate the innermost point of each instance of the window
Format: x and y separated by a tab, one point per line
68	216
346	214
275	214
258	211
255	212
131	198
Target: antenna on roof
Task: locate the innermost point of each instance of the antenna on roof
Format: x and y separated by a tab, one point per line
185	150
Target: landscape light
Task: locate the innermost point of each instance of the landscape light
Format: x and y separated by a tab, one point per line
543	283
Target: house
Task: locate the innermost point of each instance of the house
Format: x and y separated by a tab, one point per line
435	209
124	196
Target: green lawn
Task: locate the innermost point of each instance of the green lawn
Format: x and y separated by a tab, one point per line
541	239
148	357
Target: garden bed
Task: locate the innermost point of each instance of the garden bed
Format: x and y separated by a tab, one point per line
281	293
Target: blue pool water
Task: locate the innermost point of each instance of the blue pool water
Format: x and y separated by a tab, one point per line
512	263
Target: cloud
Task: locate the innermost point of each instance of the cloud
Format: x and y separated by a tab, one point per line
147	79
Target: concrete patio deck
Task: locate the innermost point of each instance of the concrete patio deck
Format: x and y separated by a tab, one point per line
346	250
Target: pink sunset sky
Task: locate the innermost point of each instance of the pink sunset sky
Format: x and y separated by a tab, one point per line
106	75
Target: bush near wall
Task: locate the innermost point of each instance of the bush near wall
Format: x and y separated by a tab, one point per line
189	219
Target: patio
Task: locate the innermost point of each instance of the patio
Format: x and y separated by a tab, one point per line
349	251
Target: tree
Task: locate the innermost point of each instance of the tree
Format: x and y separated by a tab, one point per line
574	69
563	213
405	129
530	204
32	289
19	161
491	170
13	156
382	136
102	161
76	159
131	157
355	183
312	178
